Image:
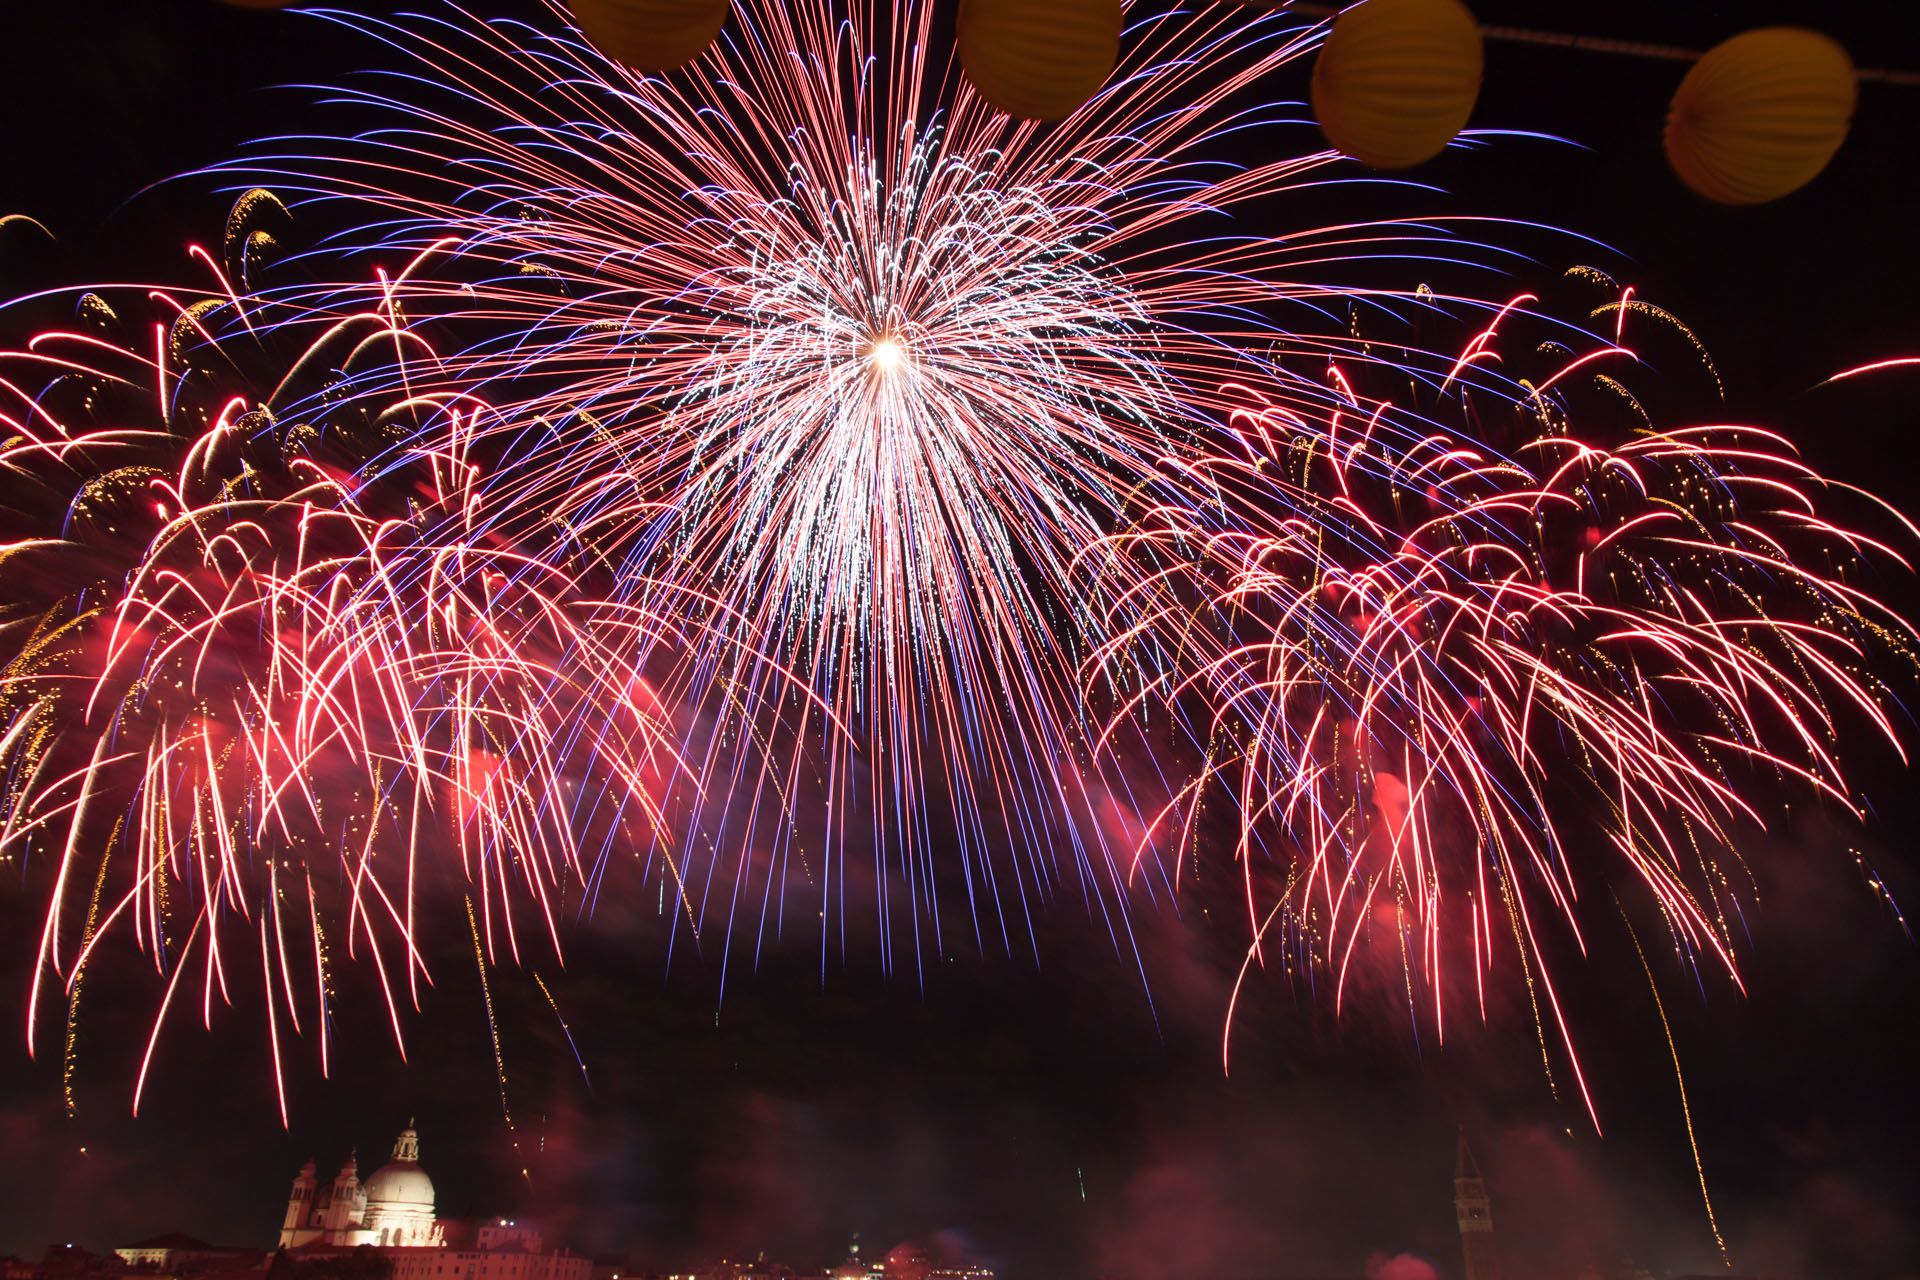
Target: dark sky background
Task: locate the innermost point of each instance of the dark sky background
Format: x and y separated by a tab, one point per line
1043	1113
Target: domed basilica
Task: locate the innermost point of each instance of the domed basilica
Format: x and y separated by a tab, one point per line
392	1209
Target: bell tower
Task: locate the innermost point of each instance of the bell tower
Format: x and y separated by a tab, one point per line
1474	1212
348	1204
295	1227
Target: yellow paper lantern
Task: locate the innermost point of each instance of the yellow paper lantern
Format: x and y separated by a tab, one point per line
1397	79
650	35
1039	59
1759	115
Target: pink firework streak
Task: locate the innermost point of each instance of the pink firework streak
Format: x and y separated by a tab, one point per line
813	332
796	478
268	694
1420	659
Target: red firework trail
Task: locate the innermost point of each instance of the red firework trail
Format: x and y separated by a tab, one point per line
798	480
266	674
1422	659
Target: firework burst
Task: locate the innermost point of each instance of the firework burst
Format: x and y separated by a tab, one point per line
798	479
1419	654
815	333
266	686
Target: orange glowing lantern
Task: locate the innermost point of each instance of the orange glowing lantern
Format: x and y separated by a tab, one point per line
1397	79
1039	59
1759	115
650	35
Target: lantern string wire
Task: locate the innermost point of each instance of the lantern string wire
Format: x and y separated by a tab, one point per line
1585	43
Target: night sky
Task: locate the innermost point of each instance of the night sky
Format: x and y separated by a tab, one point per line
1054	1116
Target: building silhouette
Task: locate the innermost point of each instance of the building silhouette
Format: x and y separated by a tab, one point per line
390	1220
393	1208
1474	1213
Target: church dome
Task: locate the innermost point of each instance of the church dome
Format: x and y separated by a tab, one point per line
401	1182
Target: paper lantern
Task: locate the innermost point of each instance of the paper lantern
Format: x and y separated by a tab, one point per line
1397	79
650	35
1759	115
1039	59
